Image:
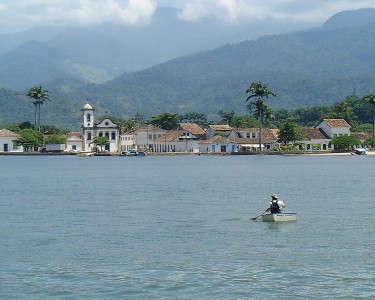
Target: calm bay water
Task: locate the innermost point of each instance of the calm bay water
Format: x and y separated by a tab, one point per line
179	228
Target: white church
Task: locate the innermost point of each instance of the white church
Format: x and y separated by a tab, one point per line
102	127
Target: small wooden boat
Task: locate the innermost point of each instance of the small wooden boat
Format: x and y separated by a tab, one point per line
85	153
279	217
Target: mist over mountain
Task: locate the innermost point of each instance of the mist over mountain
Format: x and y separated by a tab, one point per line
319	66
101	53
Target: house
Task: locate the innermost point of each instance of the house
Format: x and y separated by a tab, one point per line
223	130
315	139
184	139
334	127
142	138
218	144
7	144
177	141
73	142
103	127
247	139
362	136
192	128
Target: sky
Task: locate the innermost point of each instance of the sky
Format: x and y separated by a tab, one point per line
16	15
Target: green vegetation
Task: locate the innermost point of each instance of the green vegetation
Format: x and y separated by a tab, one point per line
100	141
29	138
39	96
370	98
55	139
165	121
290	131
345	142
259	91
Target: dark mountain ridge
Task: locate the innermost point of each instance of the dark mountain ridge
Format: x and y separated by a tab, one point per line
100	53
315	67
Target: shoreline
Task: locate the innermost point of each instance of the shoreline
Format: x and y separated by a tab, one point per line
288	153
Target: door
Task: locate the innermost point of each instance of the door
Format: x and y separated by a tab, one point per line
6	149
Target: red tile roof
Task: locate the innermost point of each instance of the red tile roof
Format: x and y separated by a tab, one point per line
336	123
7	133
221	127
192	128
311	133
217	139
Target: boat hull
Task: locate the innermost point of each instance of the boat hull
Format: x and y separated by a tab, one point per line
280	217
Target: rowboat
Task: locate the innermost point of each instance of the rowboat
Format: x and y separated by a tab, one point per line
85	153
279	217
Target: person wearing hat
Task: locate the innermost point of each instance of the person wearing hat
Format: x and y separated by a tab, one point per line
276	205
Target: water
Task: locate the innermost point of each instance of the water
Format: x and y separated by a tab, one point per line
179	228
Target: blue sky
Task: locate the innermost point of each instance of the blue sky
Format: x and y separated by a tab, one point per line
21	14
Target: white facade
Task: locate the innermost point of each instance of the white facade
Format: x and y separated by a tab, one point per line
7	138
334	127
73	142
105	127
218	144
141	139
177	141
212	129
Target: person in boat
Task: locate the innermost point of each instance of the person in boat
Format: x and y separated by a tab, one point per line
276	205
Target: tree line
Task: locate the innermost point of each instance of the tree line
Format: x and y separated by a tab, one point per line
359	112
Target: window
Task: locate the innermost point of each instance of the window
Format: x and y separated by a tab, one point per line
113	135
150	136
107	135
88	117
89	136
100	133
253	135
248	135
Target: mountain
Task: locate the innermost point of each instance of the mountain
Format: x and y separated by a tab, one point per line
101	53
314	67
351	18
29	62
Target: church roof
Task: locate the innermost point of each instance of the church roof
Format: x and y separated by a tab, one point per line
87	106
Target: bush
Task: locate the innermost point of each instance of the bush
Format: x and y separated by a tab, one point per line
55	139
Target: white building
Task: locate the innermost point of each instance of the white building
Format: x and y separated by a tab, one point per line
7	138
218	144
334	127
177	141
104	127
315	139
223	130
73	142
248	138
141	139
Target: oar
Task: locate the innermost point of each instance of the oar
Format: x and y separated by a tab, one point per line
259	215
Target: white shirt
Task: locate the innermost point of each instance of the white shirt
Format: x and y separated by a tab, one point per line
280	203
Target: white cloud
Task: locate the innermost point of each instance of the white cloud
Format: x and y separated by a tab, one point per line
75	12
27	13
232	11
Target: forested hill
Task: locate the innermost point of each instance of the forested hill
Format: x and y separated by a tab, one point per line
315	67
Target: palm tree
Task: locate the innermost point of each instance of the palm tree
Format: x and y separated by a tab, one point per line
370	98
39	96
260	92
